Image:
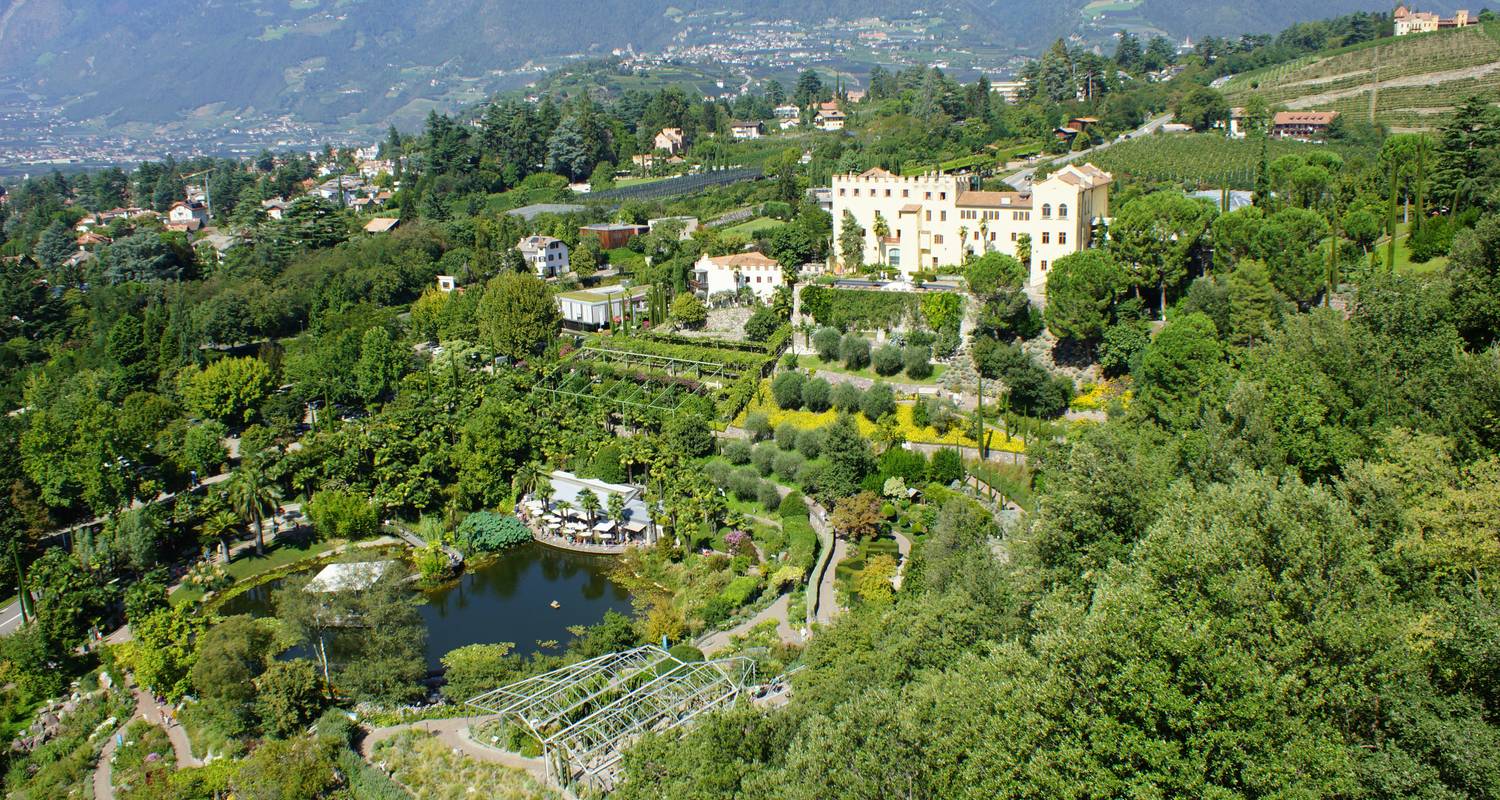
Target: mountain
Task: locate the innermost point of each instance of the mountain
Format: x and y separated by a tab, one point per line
222	63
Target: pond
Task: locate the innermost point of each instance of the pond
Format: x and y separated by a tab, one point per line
508	600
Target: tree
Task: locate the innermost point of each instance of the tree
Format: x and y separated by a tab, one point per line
231	655
230	390
588	503
878	401
858	516
1081	289
1254	304
282	769
1182	361
1202	107
786	389
851	242
381	364
254	497
164	651
849	458
287	697
886	360
586	257
55	246
203	448
379	631
1288	243
1157	235
1474	273
69	601
689	311
854	351
763	323
474	669
517	316
873	584
342	514
817	395
826	341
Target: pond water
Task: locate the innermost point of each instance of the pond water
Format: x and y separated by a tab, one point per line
508	600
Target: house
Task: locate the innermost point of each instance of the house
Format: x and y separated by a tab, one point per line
342	190
183	212
935	219
829	117
92	239
1407	21
612	235
274	207
1303	125
787	111
1080	124
854	96
382	225
1237	122
747	130
755	271
447	283
644	161
592	309
689	224
548	257
671	140
788	123
188	226
1009	91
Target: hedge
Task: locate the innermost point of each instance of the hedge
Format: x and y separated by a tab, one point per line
740	591
802	543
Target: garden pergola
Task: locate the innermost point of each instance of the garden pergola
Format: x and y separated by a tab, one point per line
586	714
666	393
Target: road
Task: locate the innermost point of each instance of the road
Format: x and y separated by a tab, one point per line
1021	179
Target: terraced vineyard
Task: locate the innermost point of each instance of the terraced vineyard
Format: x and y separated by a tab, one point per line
1198	160
1416	80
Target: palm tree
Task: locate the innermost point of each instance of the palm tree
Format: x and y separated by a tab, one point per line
217	526
525	480
588	503
616	508
254	498
563	507
543	490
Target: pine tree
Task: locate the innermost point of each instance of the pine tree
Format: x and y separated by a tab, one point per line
1253	303
55	246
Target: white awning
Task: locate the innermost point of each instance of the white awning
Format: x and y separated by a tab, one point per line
607	525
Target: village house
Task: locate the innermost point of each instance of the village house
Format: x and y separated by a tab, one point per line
185	212
1303	125
755	271
671	140
547	257
787	111
1408	21
274	207
829	117
747	130
935	220
382	225
592	309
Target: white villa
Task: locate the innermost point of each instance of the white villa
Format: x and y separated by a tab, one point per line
592	309
715	274
935	220
548	257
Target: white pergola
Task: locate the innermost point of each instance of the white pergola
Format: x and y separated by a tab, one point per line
586	714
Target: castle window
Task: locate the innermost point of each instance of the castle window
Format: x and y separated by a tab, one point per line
887	192
938	239
1044	266
1062	210
906	193
1046	208
1046	237
1062	237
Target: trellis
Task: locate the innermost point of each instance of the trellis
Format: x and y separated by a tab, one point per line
586	714
660	395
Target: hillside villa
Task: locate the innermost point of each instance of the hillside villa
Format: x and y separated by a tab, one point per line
1408	21
1303	125
935	219
547	257
713	275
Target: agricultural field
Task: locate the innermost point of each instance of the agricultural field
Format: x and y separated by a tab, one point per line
755	226
1416	80
1199	160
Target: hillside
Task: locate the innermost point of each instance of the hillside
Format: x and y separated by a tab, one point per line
127	65
1415	80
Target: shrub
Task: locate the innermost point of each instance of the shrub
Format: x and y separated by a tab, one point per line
887	360
801	543
718	472
917	360
759	426
786	435
762	457
737	451
921	413
854	351
342	514
811	476
817	394
908	465
846	397
826	342
740	591
945	467
685	653
688	311
488	532
793	506
810	443
787	464
787	390
878	401
1123	343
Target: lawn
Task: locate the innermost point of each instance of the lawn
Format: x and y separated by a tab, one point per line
621	183
248	565
624	259
813	362
1403	255
754	226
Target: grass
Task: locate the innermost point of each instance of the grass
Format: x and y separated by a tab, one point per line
817	364
754	226
1404	263
621	183
248	565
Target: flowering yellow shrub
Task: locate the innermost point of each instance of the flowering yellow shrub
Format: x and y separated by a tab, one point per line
1098	396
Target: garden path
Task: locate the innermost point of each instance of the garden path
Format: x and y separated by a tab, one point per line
718	640
146	708
455	733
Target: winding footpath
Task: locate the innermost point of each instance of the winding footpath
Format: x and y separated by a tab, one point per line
146	708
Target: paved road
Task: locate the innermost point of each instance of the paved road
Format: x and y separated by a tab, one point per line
1022	178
